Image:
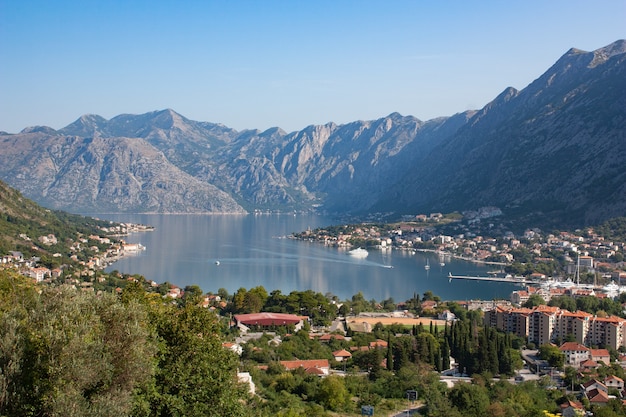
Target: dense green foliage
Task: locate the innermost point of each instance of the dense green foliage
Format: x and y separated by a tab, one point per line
614	229
65	352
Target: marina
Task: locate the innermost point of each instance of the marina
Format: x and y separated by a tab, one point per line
507	278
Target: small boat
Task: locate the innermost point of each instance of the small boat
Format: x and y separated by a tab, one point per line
427	266
358	253
217	263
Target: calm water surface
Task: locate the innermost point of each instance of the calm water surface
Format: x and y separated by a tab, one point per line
253	250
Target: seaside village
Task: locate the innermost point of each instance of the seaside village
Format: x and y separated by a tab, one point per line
103	252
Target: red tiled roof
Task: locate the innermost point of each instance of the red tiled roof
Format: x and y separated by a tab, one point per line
342	354
267	319
600	352
589	364
574	404
306	364
378	343
597	396
573	346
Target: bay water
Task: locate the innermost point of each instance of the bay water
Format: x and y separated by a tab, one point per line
234	251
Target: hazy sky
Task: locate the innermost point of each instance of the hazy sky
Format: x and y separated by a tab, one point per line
259	64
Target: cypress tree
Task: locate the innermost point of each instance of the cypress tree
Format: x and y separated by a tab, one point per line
493	361
445	356
389	353
438	360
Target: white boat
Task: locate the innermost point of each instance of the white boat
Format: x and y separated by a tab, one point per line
612	289
427	266
358	253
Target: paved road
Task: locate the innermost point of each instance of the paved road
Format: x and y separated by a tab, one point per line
412	411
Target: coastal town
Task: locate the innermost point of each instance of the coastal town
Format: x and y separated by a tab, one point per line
547	259
573	301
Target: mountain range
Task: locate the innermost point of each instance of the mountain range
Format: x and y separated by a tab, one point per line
553	151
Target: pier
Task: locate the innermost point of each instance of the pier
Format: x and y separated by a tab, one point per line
510	279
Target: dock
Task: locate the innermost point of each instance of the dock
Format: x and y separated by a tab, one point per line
509	279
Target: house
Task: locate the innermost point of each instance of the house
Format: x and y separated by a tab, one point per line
600	355
174	292
319	367
39	273
597	397
246	378
586	261
572	409
519	297
614	382
342	355
234	347
378	344
447	315
429	305
588	366
592	385
329	336
575	353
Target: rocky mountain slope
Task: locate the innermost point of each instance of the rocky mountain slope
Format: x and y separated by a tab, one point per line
553	149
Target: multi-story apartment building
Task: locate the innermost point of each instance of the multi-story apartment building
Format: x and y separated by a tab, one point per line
512	320
575	324
544	324
607	331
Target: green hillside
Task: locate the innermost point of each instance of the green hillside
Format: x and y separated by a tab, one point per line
22	222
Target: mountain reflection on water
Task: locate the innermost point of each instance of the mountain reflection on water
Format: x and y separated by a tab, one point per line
234	251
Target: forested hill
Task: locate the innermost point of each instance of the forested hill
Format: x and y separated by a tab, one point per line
22	222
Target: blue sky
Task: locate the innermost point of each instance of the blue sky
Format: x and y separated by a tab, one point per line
259	64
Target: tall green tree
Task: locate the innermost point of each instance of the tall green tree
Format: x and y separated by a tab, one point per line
195	375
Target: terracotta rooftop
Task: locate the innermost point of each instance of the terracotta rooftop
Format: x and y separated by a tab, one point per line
573	346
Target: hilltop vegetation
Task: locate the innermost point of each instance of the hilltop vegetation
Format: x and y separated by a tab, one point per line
21	218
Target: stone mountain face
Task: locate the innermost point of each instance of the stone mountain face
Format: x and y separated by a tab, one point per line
102	175
555	148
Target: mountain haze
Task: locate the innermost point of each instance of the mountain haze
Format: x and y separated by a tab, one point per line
553	150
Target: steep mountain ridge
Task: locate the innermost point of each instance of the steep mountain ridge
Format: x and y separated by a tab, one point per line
552	149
